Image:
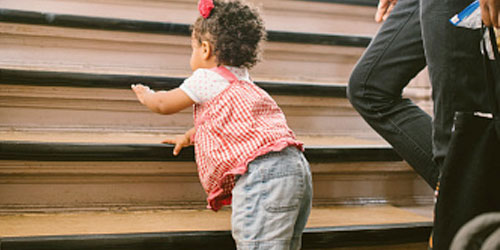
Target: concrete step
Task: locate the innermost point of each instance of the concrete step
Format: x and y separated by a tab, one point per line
66	67
95	171
337	227
39	108
343	17
80	151
289	55
123	137
32	53
70	100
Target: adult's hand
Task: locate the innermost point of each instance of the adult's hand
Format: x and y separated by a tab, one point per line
384	9
489	12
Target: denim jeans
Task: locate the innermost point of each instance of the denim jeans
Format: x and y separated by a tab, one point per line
272	201
418	34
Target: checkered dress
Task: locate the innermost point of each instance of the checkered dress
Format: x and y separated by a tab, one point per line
232	129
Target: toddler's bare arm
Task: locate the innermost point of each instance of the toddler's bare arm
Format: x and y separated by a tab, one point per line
163	102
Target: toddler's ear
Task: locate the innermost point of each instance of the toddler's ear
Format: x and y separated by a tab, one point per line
207	50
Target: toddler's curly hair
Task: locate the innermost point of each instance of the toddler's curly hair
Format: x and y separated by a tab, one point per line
235	29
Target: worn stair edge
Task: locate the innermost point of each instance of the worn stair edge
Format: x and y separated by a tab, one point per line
313	238
56	151
372	3
77	79
87	22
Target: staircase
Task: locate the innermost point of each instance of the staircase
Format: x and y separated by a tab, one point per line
81	166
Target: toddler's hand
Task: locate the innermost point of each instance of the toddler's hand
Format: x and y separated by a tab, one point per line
141	91
180	141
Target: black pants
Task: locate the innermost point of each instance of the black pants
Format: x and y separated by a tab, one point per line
418	34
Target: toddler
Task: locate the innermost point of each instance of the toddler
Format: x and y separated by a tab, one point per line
245	152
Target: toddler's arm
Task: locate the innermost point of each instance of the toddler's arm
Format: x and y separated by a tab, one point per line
181	141
163	102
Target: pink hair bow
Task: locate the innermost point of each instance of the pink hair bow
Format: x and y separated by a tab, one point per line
205	7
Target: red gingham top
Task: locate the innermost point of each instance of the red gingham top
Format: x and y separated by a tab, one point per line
232	129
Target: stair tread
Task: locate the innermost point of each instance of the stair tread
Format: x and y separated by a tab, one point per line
121	222
185	12
117	137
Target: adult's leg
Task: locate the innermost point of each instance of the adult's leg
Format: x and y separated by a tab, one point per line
375	88
456	72
455	68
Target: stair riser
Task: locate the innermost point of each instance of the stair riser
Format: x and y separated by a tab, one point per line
43	186
298	16
26	107
67	49
36	47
